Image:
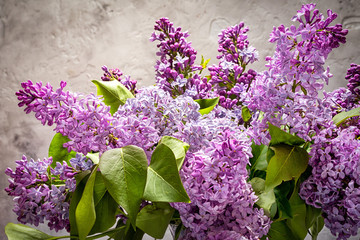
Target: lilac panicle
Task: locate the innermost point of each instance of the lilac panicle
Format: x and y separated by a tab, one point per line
40	193
176	69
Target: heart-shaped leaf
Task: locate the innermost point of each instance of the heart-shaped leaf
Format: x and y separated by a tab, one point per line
206	105
288	163
341	117
178	147
154	219
114	93
278	136
163	182
124	172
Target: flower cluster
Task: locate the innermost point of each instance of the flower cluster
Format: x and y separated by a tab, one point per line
334	183
176	69
222	201
41	192
287	92
228	78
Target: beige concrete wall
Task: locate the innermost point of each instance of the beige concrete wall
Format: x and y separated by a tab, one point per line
54	40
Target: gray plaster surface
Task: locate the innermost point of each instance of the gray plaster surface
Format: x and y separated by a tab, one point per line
55	40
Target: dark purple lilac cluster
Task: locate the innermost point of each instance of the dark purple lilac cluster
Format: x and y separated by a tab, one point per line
176	71
334	185
353	76
229	79
117	74
41	192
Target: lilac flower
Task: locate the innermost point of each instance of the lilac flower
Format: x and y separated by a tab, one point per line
222	202
333	185
176	69
36	196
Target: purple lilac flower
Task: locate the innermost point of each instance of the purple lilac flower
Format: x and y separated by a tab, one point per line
353	76
334	183
38	196
295	75
116	74
222	201
229	79
176	69
86	121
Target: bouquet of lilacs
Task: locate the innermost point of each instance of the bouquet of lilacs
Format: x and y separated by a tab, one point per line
235	154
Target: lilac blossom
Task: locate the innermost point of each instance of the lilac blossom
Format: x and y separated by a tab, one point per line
176	70
334	183
229	79
41	197
222	201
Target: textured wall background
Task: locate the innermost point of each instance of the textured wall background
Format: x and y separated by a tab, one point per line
56	40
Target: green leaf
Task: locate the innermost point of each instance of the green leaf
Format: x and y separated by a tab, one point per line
317	227
258	161
298	223
206	105
312	214
279	136
288	163
154	219
124	172
163	182
85	211
204	62
266	199
99	188
81	179
280	231
341	117
105	214
57	151
94	157
21	232
245	113
283	205
114	93
178	147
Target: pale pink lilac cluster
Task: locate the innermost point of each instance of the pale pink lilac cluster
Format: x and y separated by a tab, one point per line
176	71
229	79
41	193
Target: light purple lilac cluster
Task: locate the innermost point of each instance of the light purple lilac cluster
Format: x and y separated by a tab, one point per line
117	74
287	93
41	193
222	201
85	121
334	185
176	71
229	79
